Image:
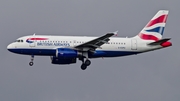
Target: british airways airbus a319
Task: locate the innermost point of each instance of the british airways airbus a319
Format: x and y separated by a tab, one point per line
67	49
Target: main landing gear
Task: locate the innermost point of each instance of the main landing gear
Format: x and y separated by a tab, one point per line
31	63
85	63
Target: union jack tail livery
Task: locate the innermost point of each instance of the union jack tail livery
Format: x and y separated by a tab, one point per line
155	27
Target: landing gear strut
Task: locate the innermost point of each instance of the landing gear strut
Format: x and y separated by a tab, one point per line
32	58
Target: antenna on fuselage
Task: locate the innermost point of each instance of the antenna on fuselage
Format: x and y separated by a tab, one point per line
34	34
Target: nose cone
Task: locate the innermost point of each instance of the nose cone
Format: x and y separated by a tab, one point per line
10	47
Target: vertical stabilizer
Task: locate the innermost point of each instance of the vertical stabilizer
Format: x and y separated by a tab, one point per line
155	27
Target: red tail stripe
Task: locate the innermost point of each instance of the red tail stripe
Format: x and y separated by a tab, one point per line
148	37
161	19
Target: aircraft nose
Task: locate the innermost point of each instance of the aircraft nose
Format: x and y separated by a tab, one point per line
10	47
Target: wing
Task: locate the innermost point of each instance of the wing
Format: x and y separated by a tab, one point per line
95	43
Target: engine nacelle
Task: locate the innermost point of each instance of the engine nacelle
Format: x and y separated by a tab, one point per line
56	60
66	53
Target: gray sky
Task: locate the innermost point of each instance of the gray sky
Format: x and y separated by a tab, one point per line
152	76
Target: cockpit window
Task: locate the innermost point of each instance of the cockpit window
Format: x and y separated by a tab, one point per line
19	40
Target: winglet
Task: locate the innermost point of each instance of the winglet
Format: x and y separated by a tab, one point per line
115	33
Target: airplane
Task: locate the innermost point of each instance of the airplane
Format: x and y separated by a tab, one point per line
67	49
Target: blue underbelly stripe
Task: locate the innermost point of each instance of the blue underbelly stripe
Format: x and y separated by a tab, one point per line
52	52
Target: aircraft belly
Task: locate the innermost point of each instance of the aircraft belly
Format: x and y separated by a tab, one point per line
101	53
43	52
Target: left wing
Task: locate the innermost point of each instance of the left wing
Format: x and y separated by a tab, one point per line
95	43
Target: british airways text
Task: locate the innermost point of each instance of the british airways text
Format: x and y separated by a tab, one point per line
52	44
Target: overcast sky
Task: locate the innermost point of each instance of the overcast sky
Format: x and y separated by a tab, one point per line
153	76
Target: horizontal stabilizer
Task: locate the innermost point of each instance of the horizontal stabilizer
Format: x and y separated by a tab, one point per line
159	42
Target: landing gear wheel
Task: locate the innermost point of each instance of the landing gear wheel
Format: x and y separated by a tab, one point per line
83	66
87	62
31	63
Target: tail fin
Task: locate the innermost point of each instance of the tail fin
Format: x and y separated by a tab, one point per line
155	27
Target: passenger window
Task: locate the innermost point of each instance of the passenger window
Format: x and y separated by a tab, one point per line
21	40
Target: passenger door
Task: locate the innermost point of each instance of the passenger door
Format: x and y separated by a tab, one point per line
32	41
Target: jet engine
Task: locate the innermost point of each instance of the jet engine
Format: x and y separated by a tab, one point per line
55	60
64	56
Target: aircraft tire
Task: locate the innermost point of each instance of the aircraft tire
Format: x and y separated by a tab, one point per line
83	66
87	62
31	63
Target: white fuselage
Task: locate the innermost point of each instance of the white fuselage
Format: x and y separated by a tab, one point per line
115	47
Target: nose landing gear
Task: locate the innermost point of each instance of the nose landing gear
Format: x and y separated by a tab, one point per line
32	58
